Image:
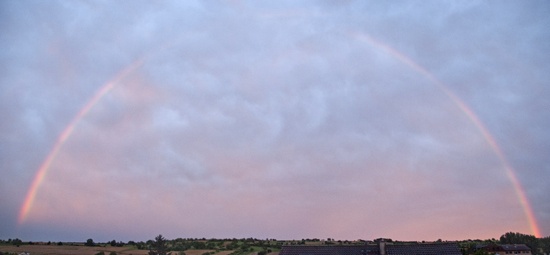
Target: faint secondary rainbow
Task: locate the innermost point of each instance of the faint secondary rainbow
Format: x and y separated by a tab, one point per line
520	192
39	177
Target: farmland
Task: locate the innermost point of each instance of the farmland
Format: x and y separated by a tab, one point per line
177	246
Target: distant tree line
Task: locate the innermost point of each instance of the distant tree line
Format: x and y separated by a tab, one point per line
238	246
161	245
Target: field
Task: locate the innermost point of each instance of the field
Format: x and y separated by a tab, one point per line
85	250
69	249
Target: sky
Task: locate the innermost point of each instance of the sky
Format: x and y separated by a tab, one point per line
411	120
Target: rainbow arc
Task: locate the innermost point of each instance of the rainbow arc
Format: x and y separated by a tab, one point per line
108	86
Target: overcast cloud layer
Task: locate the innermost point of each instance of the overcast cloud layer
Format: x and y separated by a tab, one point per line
274	119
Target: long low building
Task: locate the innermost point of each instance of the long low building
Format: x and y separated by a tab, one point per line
503	249
381	248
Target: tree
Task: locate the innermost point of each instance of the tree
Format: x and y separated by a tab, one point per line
516	238
481	252
90	242
17	242
158	247
519	238
545	244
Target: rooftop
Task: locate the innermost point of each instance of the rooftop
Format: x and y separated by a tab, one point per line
374	249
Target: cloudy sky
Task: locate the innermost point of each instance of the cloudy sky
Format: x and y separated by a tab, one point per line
413	120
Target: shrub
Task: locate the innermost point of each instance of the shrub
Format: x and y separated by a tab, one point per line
90	242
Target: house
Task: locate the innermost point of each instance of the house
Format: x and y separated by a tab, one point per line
503	249
330	250
381	248
424	249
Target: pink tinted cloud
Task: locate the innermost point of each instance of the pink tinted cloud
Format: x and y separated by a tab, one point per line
310	134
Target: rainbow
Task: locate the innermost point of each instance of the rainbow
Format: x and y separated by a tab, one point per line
510	172
520	192
43	170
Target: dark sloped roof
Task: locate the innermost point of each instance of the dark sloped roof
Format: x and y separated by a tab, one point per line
330	250
503	247
424	249
515	247
391	249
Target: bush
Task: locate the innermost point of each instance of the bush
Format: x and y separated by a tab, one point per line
90	242
17	242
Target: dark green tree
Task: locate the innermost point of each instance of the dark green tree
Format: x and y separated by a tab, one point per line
544	244
158	247
481	252
519	238
141	245
17	242
90	242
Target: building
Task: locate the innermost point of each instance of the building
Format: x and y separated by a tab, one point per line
381	248
503	249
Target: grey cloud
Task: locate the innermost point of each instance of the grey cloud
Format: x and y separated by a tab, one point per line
252	111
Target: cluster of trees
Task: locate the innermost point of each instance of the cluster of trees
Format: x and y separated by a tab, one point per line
238	246
160	245
538	246
17	242
114	243
156	247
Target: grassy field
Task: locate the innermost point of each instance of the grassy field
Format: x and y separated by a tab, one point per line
70	249
85	250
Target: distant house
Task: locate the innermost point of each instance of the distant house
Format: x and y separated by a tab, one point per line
424	249
381	248
503	249
329	250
